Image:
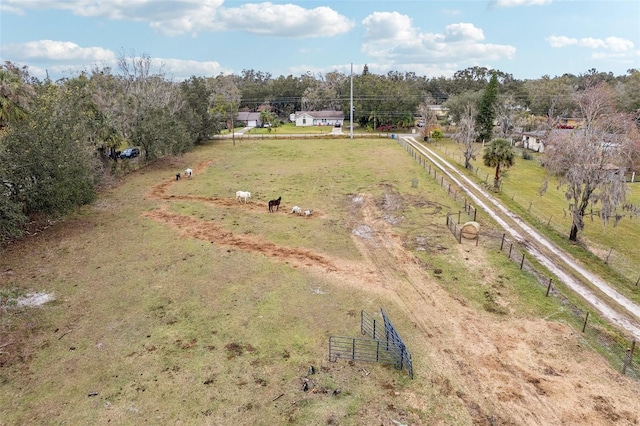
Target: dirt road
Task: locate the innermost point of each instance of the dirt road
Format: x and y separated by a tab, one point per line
609	303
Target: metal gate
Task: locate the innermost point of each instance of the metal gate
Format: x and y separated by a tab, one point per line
384	345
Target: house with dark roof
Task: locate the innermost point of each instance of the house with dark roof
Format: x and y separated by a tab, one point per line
318	118
249	119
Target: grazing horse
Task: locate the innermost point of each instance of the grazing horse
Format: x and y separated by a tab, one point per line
308	212
274	203
243	195
188	173
296	210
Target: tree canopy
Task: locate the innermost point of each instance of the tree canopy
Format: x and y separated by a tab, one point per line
589	163
499	154
53	132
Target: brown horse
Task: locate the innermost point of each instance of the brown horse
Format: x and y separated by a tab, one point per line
274	203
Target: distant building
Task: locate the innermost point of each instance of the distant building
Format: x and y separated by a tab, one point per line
318	118
439	110
534	140
249	119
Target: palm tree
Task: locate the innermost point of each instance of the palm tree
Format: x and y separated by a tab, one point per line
499	154
266	117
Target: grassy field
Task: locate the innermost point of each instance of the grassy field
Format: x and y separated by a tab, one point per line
174	303
610	249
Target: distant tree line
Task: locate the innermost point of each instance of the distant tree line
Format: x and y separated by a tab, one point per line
59	139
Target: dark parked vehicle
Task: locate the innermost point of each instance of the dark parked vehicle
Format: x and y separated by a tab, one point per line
130	153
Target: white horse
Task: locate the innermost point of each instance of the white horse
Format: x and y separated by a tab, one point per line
240	195
296	210
188	173
308	212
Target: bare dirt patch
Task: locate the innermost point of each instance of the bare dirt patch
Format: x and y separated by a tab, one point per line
504	371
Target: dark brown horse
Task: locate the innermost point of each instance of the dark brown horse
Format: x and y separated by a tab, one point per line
274	203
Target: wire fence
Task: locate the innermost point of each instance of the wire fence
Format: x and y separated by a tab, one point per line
239	137
561	222
621	352
383	345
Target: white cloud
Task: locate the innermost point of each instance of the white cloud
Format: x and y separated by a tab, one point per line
391	38
285	20
388	26
181	69
61	51
174	17
561	41
463	32
610	49
618	44
614	44
67	58
514	3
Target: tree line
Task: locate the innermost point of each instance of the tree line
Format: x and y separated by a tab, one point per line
59	139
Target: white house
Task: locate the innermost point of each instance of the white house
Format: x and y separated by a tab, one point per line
534	140
318	118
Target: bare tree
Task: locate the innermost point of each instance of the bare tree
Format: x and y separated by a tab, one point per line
467	134
590	162
224	100
324	93
506	111
428	116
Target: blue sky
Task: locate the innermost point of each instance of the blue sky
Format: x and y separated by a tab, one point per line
525	38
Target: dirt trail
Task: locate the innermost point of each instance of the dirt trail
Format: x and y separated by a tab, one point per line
505	371
617	308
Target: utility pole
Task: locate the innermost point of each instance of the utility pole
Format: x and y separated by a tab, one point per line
351	109
233	129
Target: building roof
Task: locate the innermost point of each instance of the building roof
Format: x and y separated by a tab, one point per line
330	114
248	116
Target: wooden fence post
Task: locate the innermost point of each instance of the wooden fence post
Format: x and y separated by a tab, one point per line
584	326
522	262
628	357
607	259
502	245
549	287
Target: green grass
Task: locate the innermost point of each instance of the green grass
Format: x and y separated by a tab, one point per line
615	244
168	328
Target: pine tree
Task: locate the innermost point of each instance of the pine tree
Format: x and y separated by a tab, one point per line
487	111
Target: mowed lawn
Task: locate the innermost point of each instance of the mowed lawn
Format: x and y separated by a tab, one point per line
152	325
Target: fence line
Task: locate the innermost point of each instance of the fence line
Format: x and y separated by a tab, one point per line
621	353
384	345
617	260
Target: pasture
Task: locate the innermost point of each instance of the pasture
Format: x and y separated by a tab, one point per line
177	303
609	249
